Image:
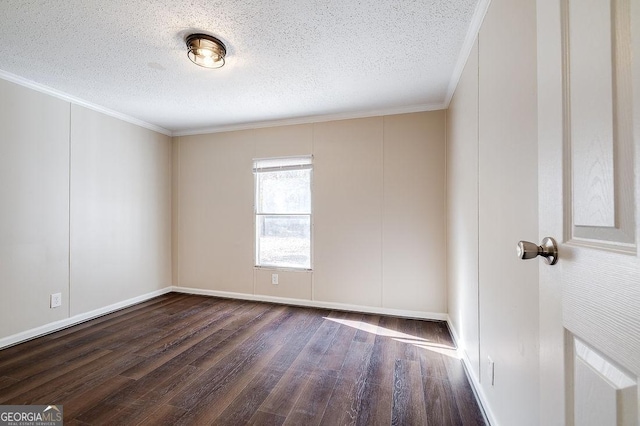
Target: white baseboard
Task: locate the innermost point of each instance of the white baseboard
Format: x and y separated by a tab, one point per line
315	304
77	319
475	384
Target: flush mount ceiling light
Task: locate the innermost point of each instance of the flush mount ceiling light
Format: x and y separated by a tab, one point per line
206	51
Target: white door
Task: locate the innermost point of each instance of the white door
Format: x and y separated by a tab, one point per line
589	183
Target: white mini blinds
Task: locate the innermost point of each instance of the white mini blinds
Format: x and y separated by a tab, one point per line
283	212
263	165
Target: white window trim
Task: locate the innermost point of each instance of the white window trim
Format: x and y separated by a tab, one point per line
261	165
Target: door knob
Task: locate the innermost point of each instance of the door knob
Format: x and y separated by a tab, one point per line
548	249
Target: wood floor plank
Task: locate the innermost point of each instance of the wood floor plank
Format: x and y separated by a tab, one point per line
20	367
383	357
376	406
444	335
310	406
455	371
238	366
437	359
5	382
204	309
222	394
129	313
52	363
115	335
467	405
81	402
80	380
368	334
434	364
293	340
409	337
118	321
164	415
199	325
345	402
74	422
181	355
245	313
237	338
309	358
19	387
187	359
346	398
408	397
133	391
183	305
440	402
173	385
243	407
283	396
138	409
334	356
260	418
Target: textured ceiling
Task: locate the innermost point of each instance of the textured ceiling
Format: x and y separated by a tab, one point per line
286	59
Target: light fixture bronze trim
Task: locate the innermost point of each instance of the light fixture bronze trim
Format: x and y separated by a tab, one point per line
206	51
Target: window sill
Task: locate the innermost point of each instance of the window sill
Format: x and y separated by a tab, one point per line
281	268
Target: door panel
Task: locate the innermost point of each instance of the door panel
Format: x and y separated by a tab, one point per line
588	128
608	394
598	124
599	293
591	113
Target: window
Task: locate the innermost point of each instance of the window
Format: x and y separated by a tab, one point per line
283	212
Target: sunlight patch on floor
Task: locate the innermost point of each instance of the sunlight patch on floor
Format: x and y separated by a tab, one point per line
398	336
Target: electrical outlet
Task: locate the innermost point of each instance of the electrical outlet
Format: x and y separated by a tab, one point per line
491	372
56	300
274	279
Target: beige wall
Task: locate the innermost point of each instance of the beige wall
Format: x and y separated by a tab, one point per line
348	205
508	205
85	211
215	205
462	212
505	122
120	210
378	196
413	229
34	208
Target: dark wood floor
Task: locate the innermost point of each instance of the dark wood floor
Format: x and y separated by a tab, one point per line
194	360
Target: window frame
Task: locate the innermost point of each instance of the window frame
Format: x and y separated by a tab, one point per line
306	162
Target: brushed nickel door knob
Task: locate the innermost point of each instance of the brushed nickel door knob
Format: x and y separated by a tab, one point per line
548	249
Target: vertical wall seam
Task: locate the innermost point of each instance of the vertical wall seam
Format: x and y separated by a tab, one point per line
178	222
382	219
69	218
446	210
313	216
254	216
478	207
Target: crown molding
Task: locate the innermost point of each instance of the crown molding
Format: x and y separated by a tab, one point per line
77	101
223	128
467	46
311	119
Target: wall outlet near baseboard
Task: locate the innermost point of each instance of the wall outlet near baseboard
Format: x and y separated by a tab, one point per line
56	300
274	279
